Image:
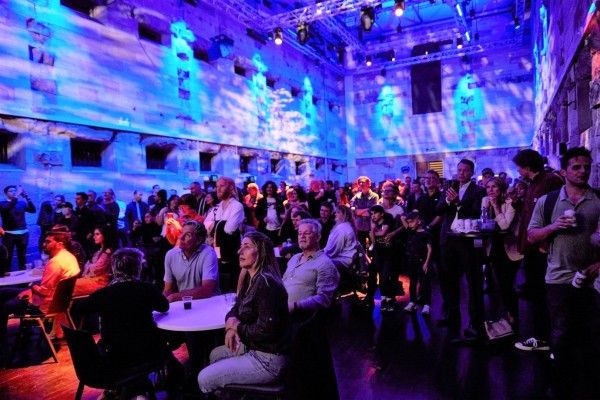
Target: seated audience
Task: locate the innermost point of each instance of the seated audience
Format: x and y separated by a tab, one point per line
129	336
62	265
97	271
310	278
341	245
257	327
191	269
327	221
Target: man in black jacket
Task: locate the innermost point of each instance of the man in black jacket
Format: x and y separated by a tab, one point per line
457	253
13	211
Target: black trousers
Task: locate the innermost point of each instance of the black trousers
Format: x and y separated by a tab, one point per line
459	255
574	340
20	241
535	264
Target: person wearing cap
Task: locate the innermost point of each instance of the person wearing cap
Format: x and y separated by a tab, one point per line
67	217
382	223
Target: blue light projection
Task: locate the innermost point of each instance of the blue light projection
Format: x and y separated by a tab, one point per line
490	109
104	77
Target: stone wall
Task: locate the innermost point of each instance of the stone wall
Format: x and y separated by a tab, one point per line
166	68
487	101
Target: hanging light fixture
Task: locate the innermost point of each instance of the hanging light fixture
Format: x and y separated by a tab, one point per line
399	8
368	60
367	18
459	42
517	23
278	36
302	33
392	55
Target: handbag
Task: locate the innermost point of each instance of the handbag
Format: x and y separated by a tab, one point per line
498	329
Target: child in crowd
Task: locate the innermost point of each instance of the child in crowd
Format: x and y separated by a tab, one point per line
418	258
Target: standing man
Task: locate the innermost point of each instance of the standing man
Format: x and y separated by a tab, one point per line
85	223
12	211
530	165
361	203
311	277
223	225
192	268
574	312
153	196
198	194
463	202
135	211
327	222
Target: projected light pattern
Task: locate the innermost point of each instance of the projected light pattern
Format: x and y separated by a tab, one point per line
557	29
493	108
104	77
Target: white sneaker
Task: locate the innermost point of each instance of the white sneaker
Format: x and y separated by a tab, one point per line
533	344
410	307
425	310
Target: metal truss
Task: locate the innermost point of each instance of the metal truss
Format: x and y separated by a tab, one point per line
317	11
241	11
335	27
460	18
441	55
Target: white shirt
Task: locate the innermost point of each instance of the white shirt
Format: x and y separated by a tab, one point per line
229	210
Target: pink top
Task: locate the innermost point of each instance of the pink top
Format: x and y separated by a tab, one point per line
99	266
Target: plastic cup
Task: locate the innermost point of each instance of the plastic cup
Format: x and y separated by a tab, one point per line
187	302
28	266
38	264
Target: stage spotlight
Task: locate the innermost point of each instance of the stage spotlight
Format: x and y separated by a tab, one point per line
368	61
278	36
367	18
302	33
517	23
392	55
399	8
459	42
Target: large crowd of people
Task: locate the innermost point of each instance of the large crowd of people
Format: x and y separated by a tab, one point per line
208	242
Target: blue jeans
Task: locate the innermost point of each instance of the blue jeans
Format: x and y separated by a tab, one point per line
251	367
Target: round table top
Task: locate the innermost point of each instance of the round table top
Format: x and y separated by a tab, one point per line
205	314
21	277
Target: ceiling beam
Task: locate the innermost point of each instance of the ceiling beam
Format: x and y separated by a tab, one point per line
441	55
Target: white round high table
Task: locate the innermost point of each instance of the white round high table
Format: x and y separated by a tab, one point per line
205	315
21	277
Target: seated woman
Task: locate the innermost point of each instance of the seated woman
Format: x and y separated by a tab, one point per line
96	272
128	333
341	245
257	327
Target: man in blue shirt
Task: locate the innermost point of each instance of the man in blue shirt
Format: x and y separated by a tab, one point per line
12	211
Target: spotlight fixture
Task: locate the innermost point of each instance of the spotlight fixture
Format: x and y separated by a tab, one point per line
278	36
459	42
368	61
392	55
302	33
399	8
517	23
367	18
